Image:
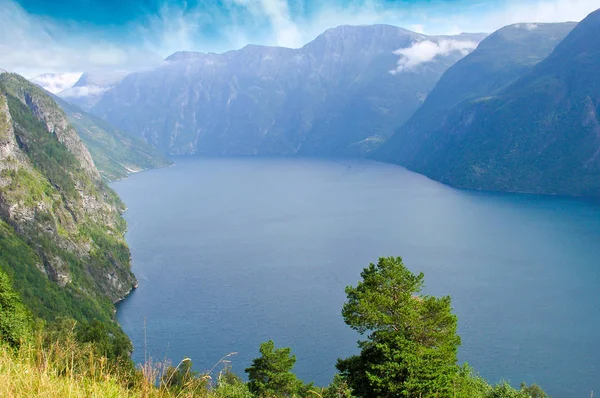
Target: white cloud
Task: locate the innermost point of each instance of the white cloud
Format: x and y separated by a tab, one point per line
32	45
84	91
418	28
425	51
57	82
284	31
172	29
531	26
512	12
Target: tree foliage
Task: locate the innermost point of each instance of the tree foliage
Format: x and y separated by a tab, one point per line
412	344
15	320
270	375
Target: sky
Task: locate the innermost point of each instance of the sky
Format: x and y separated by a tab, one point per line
38	36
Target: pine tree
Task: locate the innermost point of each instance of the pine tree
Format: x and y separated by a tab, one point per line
411	349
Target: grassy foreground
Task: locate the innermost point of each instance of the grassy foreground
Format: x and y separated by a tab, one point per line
69	369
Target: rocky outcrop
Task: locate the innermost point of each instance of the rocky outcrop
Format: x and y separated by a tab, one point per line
53	198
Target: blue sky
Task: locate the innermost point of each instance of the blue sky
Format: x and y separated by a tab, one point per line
75	35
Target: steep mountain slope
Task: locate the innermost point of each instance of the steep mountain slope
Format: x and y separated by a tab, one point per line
116	154
61	233
334	96
540	134
498	61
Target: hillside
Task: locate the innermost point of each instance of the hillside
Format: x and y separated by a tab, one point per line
498	61
341	94
116	153
539	134
61	233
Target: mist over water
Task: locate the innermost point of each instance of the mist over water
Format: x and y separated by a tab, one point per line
233	252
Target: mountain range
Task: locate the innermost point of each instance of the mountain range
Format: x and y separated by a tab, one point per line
518	111
514	111
340	95
536	131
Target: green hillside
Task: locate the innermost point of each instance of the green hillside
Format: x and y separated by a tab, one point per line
61	231
540	134
116	153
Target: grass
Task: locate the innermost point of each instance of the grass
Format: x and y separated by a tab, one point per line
66	368
52	372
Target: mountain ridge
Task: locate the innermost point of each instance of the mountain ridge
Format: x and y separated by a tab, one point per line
539	134
61	231
315	100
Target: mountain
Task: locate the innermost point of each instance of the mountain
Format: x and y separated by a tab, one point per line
498	61
90	87
61	231
538	134
116	153
342	94
56	82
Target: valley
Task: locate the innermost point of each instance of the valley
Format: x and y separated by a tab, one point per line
273	174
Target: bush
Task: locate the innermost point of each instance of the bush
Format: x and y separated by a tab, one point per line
16	322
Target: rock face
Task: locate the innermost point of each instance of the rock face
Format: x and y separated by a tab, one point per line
520	125
53	200
335	96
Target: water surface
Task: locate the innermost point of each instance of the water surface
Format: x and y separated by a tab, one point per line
233	252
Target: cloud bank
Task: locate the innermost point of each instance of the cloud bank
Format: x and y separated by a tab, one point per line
32	45
425	51
56	82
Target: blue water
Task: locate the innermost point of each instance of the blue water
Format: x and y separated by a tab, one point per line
233	252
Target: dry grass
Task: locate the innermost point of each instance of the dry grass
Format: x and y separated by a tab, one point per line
27	374
67	369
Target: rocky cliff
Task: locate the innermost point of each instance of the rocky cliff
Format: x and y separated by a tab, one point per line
62	234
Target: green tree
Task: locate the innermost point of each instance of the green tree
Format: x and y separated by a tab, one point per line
270	375
504	390
412	344
113	344
468	384
231	385
533	391
337	389
16	322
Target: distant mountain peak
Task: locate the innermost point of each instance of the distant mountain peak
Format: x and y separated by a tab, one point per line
100	78
180	55
333	97
376	27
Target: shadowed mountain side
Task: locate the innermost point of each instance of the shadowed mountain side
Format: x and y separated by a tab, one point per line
342	94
